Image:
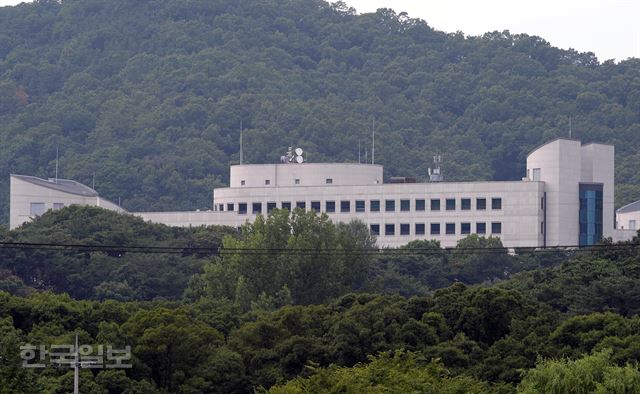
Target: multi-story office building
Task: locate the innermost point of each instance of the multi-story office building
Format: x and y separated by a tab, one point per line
566	199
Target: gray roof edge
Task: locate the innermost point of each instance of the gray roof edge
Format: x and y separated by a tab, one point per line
63	185
634	206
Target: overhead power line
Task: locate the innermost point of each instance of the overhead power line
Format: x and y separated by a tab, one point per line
221	251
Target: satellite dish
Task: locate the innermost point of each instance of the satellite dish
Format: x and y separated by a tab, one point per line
299	151
299	159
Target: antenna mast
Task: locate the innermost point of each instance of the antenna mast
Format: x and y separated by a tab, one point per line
570	131
359	161
373	145
241	153
56	164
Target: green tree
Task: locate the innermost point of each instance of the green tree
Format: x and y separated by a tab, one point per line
300	256
591	374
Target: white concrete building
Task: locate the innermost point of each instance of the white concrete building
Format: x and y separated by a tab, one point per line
31	196
628	217
566	199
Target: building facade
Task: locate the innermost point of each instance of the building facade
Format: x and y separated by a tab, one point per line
628	217
30	197
566	199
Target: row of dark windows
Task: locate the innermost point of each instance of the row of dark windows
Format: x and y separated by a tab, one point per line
435	228
374	205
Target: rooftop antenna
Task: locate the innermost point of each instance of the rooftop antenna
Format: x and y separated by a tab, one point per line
570	131
359	161
435	174
373	145
366	155
56	164
241	153
93	181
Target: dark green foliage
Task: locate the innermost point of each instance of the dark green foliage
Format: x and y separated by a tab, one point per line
286	258
605	279
149	95
400	372
104	275
591	374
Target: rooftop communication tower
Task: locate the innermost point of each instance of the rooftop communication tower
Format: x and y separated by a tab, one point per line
293	156
435	174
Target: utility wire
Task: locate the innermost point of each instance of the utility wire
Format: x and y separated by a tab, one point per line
153	249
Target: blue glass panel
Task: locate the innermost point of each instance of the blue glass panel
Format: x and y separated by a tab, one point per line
590	216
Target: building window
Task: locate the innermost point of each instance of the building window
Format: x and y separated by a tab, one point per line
465	204
220	207
435	204
405	205
542	203
465	228
451	204
345	206
590	214
230	207
496	228
242	183
435	228
481	228
390	205
420	205
37	208
286	205
496	203
541	227
632	225
315	206
536	174
389	229
297	181
404	229
359	205
257	207
271	206
481	204
242	208
374	229
58	205
328	181
374	206
450	228
419	228
267	181
330	206
301	205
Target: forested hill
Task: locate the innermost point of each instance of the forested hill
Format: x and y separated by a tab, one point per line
149	94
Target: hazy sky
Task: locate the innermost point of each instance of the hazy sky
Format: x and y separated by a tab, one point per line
609	28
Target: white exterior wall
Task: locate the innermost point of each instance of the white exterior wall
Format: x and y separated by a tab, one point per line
106	204
309	174
560	164
520	215
625	220
598	167
563	165
24	193
193	218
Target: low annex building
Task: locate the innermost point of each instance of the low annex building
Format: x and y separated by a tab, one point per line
565	199
628	217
